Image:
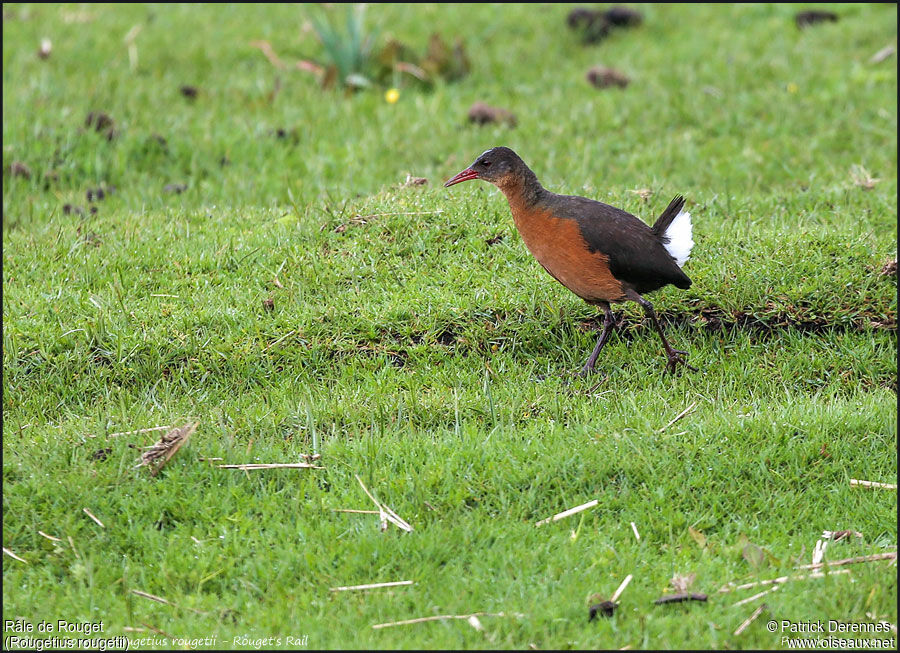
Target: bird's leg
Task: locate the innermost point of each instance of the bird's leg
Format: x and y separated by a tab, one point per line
674	355
609	323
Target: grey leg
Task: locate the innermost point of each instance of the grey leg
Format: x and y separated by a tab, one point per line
609	323
674	355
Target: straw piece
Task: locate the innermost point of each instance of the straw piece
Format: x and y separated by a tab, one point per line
637	535
247	466
158	631
749	620
49	537
385	512
778	581
160	599
13	555
266	48
756	596
272	344
360	512
148	430
882	54
569	512
819	551
678	417
72	544
371	586
890	555
837	536
615	597
886	486
91	515
420	620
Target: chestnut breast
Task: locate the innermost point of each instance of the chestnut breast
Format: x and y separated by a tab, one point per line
559	246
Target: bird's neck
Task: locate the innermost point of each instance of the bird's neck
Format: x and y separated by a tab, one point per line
523	191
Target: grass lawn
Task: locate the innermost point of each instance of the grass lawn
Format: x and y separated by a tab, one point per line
403	347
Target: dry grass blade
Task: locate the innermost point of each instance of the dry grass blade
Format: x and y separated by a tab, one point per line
837	536
891	555
441	617
157	630
247	466
385	512
882	54
13	555
643	193
359	512
148	430
266	48
158	454
160	599
862	178
884	486
730	587
91	515
618	593
49	537
750	599
637	535
682	582
286	335
678	417
749	620
819	551
371	586
569	512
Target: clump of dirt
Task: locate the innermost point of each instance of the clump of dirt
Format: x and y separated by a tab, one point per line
188	91
101	123
813	17
483	114
101	454
19	169
99	194
595	25
287	135
603	77
414	181
889	268
620	16
160	141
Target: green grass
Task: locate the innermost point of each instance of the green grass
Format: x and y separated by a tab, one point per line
405	349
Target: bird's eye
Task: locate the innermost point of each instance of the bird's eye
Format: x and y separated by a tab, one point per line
486	164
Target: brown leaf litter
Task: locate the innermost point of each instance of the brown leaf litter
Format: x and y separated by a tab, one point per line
157	455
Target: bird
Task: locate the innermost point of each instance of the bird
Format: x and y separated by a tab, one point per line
601	253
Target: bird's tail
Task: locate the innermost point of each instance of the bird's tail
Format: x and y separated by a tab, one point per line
673	228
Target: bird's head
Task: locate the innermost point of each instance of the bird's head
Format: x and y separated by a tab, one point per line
499	165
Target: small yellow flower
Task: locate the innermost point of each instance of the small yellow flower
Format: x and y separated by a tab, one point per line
392	95
791	87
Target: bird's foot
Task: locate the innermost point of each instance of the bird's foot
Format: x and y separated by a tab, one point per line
585	372
675	358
